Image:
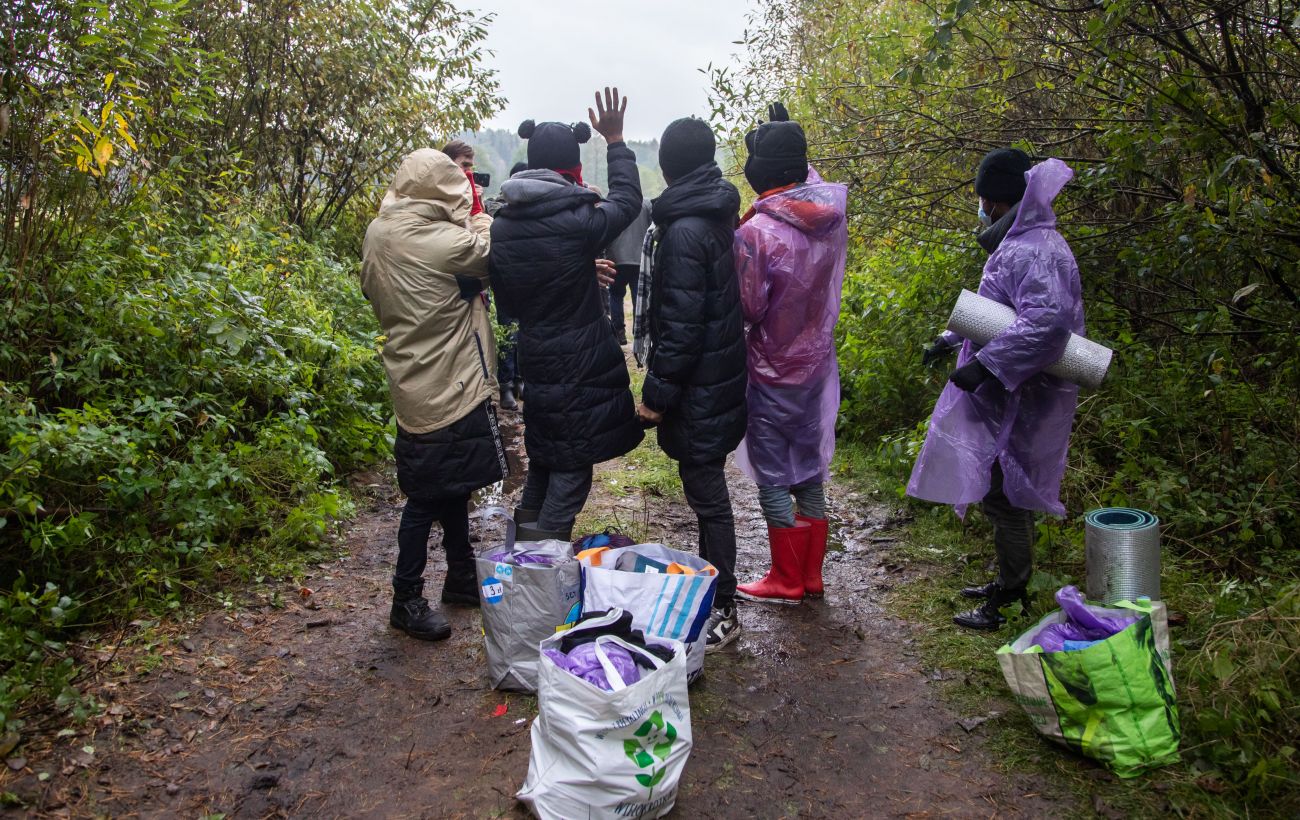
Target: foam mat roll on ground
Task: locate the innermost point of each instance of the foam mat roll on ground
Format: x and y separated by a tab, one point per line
1122	552
979	319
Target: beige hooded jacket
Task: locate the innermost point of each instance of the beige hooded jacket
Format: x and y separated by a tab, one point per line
439	347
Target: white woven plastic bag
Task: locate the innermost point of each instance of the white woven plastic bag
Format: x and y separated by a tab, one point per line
599	754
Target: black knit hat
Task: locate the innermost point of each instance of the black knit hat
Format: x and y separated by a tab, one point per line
1001	176
517	167
686	144
778	152
554	145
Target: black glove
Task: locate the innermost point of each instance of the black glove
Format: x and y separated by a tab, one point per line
937	350
970	375
469	286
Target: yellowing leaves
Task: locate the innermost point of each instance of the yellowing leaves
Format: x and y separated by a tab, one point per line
103	153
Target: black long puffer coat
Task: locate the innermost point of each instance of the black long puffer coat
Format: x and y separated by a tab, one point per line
578	411
696	370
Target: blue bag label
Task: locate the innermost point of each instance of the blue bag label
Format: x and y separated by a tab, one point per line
493	590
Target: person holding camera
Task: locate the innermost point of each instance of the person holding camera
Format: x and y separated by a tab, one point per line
424	264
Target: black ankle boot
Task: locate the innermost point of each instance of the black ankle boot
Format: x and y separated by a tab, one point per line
988	615
981	591
530	532
508	397
412	615
523	515
461	586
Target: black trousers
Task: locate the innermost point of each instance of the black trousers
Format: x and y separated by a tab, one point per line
413	535
1013	534
507	353
559	495
625	277
705	487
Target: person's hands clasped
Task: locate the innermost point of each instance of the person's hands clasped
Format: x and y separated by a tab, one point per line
607	118
605	272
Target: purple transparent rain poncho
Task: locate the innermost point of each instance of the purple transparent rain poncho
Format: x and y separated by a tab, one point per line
790	258
1023	422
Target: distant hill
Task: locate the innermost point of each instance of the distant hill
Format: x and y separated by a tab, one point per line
496	150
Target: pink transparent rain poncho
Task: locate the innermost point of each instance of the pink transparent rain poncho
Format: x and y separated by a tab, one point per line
1024	422
790	258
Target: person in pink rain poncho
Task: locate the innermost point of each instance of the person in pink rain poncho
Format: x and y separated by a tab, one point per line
790	251
1001	428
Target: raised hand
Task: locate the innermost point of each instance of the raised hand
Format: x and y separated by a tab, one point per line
607	118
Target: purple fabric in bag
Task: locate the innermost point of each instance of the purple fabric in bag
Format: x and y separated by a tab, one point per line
1021	418
525	557
1082	625
790	260
582	662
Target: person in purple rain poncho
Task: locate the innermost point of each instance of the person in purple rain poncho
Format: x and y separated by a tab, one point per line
1001	428
790	251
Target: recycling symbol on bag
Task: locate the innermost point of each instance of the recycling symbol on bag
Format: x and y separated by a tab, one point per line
652	739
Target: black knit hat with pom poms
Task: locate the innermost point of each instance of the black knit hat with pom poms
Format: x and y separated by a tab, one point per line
554	145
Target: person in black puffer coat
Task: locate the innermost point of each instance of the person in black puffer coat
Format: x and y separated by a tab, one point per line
579	410
695	379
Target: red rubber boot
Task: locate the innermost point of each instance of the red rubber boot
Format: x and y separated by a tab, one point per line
812	565
783	583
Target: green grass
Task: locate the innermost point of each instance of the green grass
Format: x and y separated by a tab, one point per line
1234	664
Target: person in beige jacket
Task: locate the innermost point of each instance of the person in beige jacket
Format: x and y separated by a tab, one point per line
424	265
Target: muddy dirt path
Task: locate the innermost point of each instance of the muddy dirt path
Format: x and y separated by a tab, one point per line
317	708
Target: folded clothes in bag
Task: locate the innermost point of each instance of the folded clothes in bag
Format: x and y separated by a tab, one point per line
672	602
1081	625
577	653
610	538
605	754
526	556
1112	700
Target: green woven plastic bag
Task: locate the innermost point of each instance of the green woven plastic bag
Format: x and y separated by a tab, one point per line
1113	701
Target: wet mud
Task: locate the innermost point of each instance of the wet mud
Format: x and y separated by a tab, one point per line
316	708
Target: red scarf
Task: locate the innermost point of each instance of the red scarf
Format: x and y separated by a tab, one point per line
751	213
476	202
574	174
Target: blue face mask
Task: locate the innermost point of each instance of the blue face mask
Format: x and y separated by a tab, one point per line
985	219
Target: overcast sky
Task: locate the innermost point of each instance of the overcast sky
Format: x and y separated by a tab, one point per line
552	54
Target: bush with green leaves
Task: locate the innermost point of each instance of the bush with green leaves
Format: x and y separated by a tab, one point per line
181	403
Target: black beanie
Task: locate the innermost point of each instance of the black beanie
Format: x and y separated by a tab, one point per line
554	145
1001	176
778	152
517	167
686	145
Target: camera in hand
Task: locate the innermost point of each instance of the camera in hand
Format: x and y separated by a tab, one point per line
482	180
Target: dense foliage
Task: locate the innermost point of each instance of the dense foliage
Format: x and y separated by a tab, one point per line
186	367
1182	121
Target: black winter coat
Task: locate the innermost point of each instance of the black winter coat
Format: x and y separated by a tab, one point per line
453	461
578	411
696	370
